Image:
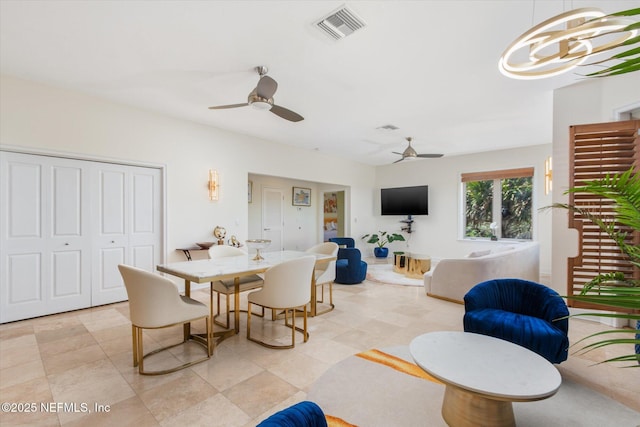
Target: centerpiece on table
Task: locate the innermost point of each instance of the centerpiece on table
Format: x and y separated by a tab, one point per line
381	239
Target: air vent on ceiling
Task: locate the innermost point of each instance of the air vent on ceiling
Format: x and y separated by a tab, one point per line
341	23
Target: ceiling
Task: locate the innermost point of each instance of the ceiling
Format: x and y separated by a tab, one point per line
428	68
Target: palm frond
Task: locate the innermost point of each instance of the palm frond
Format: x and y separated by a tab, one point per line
626	66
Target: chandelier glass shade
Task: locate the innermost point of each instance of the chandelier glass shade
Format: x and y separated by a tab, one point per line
563	42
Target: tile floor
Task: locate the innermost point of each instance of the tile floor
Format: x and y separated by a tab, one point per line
84	357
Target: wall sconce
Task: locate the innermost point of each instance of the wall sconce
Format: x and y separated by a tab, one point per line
548	176
214	186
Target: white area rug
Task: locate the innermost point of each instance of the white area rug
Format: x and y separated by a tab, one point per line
369	394
383	273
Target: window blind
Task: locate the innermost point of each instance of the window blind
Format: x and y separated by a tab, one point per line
501	174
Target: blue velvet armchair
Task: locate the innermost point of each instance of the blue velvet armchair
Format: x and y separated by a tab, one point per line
523	312
350	269
303	414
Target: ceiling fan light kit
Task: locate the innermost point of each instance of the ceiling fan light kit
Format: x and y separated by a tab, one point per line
261	98
410	153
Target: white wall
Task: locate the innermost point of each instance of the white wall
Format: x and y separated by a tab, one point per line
37	116
436	234
591	101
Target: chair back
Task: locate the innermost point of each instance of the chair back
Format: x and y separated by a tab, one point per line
220	251
519	296
288	284
347	242
326	248
327	272
154	301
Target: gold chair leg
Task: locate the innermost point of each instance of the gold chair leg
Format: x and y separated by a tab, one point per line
140	356
331	305
291	325
140	350
134	346
249	321
305	334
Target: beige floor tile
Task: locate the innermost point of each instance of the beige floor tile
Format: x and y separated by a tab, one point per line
299	369
130	412
223	373
69	360
215	410
171	398
35	391
259	393
21	373
16	351
90	383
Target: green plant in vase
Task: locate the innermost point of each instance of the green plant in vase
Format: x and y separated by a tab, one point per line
381	239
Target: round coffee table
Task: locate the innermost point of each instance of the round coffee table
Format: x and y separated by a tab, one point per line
483	376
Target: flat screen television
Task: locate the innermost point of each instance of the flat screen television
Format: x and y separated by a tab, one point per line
405	200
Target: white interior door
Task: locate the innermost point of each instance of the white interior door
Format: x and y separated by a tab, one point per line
273	217
127	226
44	238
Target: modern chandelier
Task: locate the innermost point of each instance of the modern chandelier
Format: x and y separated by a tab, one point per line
563	42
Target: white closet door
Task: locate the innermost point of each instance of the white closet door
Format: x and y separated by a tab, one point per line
44	236
127	229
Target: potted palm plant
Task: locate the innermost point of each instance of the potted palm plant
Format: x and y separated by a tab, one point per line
381	239
614	289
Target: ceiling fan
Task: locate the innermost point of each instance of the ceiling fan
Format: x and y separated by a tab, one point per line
262	98
410	154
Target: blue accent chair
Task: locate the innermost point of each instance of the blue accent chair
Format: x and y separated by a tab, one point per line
523	312
303	414
350	269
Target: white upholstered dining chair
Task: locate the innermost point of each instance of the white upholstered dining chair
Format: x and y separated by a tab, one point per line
287	287
227	287
155	302
325	274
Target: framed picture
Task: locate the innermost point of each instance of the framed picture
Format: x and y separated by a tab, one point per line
301	196
250	191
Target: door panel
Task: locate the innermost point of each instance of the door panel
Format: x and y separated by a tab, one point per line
111	192
67	201
25	278
146	223
272	218
67	274
23	197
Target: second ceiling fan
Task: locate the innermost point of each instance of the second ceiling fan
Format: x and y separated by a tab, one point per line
409	153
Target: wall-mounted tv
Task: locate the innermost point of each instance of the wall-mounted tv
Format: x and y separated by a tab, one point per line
405	200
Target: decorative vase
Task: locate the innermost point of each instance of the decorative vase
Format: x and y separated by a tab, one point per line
381	252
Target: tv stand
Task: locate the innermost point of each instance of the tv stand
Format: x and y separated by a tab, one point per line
407	227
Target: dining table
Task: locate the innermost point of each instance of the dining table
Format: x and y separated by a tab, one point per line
235	267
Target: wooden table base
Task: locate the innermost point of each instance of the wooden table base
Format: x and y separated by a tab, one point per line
462	408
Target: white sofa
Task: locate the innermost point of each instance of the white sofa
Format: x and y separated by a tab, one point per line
451	279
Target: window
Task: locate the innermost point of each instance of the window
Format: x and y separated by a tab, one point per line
498	203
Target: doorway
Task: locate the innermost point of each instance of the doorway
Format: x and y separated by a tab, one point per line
333	218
